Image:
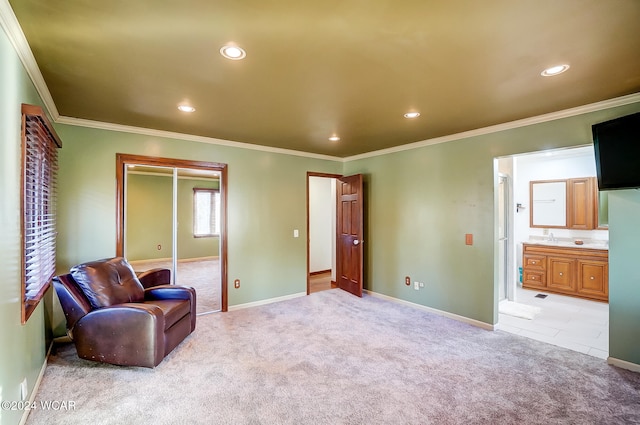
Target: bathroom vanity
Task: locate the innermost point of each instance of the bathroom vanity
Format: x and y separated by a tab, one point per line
566	268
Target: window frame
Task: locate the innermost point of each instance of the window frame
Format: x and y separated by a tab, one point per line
38	209
216	225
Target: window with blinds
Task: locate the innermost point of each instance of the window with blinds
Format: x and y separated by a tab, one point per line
206	212
40	145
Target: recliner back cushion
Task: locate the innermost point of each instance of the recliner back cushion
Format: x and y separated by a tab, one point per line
108	282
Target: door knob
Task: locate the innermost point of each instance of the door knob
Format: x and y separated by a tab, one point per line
357	242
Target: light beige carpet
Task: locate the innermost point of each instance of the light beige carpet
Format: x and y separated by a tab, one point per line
333	358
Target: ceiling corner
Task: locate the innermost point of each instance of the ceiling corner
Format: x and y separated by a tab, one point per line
10	25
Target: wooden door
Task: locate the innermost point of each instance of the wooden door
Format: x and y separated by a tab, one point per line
349	229
581	204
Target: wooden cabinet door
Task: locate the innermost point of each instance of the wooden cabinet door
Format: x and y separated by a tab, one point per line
581	211
593	278
561	274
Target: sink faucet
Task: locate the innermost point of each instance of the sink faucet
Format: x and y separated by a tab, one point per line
551	237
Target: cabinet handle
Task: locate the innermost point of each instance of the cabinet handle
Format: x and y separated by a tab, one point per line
533	262
592	277
561	274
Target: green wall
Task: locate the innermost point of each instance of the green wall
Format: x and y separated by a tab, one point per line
266	202
22	347
624	275
422	202
149	218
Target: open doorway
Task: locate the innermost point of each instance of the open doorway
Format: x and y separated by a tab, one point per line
546	297
172	214
321	230
345	209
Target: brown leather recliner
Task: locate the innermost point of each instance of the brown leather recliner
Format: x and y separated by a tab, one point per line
115	316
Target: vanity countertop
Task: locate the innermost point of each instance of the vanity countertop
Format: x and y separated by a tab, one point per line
568	243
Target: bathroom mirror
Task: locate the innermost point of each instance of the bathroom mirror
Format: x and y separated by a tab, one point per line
548	200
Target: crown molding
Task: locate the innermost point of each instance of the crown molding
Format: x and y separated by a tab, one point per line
189	137
566	113
9	23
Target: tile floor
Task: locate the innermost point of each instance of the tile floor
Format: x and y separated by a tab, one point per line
573	323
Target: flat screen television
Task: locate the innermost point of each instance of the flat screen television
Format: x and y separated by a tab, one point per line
617	151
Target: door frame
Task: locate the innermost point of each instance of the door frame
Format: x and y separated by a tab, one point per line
124	160
508	261
314	174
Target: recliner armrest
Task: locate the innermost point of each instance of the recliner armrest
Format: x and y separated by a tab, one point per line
154	277
173	292
124	334
169	292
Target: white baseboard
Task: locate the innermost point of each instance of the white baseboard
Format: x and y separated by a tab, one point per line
36	386
267	301
453	316
623	364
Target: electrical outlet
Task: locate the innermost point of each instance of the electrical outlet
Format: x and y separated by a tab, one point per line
236	283
416	286
407	281
422	284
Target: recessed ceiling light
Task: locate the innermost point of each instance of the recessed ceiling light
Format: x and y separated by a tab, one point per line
334	138
232	52
412	115
554	70
186	108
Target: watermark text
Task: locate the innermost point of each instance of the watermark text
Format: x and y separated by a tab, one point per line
42	405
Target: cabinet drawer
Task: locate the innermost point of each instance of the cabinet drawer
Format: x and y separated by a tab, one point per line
534	279
535	262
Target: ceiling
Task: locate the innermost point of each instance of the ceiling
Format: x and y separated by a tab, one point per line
314	69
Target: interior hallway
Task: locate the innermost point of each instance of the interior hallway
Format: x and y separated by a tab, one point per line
321	282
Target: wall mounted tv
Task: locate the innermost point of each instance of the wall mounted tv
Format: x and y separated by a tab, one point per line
617	151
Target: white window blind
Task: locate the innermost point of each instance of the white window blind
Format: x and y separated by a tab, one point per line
40	146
